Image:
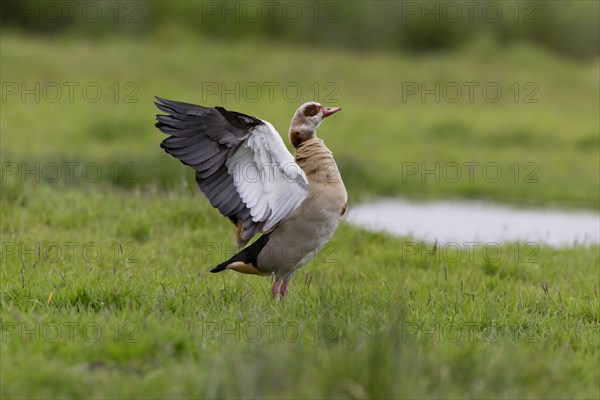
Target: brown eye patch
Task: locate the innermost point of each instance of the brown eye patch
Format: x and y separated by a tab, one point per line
311	110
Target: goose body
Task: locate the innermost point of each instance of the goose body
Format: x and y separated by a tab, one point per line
247	173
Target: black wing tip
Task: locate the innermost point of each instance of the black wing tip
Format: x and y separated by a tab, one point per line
171	103
165	101
219	268
162	102
239	120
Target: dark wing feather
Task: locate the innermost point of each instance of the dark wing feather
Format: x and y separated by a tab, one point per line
219	144
203	137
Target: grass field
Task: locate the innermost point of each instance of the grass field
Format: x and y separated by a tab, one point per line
545	152
105	291
378	319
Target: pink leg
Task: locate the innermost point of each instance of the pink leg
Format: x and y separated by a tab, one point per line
276	289
284	290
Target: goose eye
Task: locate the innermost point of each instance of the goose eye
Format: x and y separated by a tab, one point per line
311	110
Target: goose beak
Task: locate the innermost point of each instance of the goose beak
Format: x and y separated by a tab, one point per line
327	111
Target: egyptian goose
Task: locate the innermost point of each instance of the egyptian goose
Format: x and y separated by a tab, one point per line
246	172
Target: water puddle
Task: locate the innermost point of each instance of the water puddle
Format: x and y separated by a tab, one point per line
452	222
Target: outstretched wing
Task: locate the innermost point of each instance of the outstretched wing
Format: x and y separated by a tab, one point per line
241	163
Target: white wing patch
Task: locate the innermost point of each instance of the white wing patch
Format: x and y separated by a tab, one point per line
266	176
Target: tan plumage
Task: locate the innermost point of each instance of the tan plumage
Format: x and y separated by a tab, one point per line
308	228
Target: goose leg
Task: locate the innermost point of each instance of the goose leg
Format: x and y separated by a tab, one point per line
276	289
284	290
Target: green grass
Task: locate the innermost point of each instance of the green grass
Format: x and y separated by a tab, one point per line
552	144
378	319
105	290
